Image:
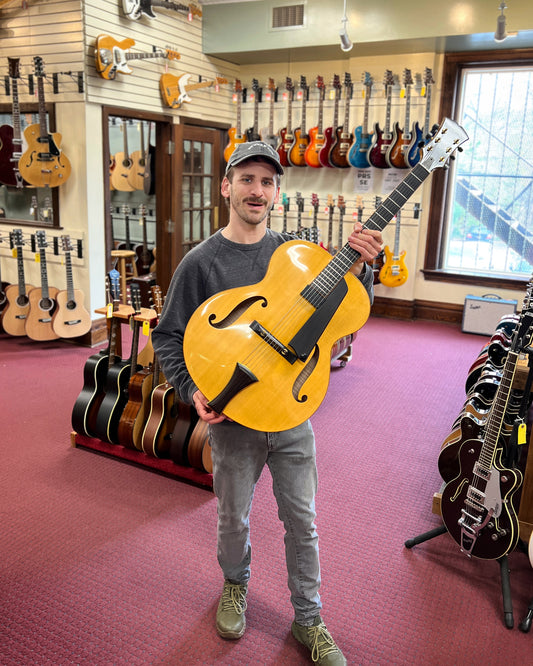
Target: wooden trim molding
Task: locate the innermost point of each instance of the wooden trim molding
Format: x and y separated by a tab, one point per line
393	308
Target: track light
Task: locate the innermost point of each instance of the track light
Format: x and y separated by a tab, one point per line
501	28
346	42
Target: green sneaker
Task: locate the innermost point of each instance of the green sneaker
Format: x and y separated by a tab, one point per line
231	621
318	639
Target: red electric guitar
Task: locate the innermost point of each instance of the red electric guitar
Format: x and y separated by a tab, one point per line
398	155
316	134
382	138
330	132
338	156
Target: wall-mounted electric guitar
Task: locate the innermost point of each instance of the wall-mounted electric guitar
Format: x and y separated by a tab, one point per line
138	162
314	232
301	137
11	136
286	135
420	136
18	304
338	156
377	263
252	133
329	132
286	364
136	9
112	56
394	272
341	207
316	134
268	134
358	153
175	89
330	247
382	138
120	176
43	164
145	256
42	299
71	318
477	505
235	134
285	202
398	155
300	202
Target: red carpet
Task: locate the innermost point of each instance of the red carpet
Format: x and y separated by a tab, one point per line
107	563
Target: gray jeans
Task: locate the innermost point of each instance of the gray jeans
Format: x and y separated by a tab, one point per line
239	455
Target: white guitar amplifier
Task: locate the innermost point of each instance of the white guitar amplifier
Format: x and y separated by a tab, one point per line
481	314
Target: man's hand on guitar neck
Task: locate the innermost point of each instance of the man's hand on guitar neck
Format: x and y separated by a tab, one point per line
368	242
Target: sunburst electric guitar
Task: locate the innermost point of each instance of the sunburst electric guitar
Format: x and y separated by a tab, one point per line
270	343
112	56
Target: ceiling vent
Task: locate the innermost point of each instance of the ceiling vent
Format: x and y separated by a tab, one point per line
288	16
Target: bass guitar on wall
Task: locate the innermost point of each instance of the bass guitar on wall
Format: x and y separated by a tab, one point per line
267	345
112	56
175	89
136	9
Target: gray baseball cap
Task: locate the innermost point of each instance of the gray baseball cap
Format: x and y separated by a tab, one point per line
244	151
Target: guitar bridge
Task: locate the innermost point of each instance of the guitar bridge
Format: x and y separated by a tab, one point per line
278	346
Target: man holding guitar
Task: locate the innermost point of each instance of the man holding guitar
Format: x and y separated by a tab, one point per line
235	256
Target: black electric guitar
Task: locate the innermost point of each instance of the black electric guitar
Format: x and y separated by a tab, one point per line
11	136
270	343
118	376
42	299
477	505
252	133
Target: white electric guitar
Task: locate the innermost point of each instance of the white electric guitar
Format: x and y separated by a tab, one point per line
135	9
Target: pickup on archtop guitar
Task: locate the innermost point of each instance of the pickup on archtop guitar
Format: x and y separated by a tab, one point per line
18	304
286	135
136	9
398	155
301	138
252	133
88	402
175	89
235	134
394	272
477	505
112	56
358	153
316	134
268	134
382	138
329	132
286	364
71	319
43	164
421	135
43	302
338	155
11	136
119	372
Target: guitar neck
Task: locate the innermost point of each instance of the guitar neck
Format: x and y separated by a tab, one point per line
70	279
42	108
44	273
17	131
388	110
176	6
142	56
366	107
20	272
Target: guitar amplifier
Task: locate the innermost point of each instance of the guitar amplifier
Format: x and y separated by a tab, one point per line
481	314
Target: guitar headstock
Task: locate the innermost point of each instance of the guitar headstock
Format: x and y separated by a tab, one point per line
38	66
157	298
171	55
195	11
238	86
40	237
220	81
142	210
348	84
331	202
368	81
407	77
66	244
341	204
315	201
125	209
255	85
114	285
304	87
285	201
299	202
359	204
321	86
289	86
135	296
337	84
14	69
428	76
388	79
443	145
271	85
16	238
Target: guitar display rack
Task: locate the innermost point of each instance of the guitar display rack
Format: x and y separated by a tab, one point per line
78	242
77	77
511	451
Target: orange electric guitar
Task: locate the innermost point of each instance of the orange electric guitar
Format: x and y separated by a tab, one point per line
330	132
42	299
394	272
112	56
43	164
270	343
235	134
316	134
301	138
175	89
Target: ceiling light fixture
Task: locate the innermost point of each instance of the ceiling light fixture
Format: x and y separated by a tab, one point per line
346	42
501	27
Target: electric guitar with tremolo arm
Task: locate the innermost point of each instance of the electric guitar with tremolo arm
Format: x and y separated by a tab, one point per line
112	56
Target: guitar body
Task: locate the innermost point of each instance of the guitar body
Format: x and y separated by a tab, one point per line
110	56
120	176
162	417
338	155
284	146
181	434
71	319
358	153
234	140
394	272
173	89
139	384
297	152
8	175
377	154
323	153
414	152
43	164
311	155
114	401
292	391
136	172
497	532
38	324
252	134
397	154
199	449
16	311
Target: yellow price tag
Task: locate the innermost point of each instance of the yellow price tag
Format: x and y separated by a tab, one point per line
109	312
522	433
146	327
14	253
37	258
